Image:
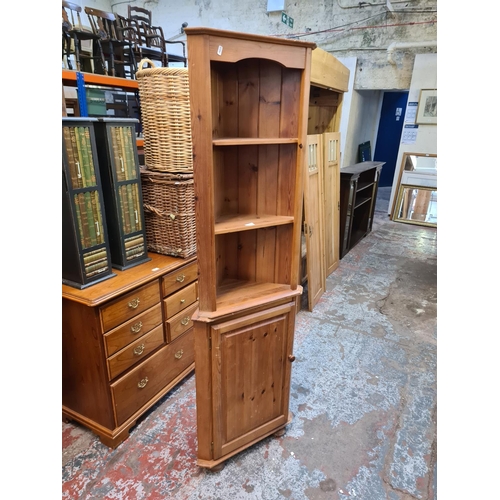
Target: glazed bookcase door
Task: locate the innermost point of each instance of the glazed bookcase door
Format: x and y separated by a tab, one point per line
85	254
122	191
251	382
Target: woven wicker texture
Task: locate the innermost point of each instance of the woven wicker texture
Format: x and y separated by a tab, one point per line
169	215
166	119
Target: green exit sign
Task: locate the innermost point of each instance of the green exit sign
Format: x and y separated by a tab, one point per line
287	20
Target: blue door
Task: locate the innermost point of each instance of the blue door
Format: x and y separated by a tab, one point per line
390	127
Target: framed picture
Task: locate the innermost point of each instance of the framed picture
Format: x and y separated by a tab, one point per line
427	107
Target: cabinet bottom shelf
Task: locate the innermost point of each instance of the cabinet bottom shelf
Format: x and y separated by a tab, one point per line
236	296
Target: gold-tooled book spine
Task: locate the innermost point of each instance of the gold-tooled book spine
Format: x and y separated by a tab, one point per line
117	153
95	256
71	159
90	217
134	241
78	216
82	158
76	158
132	209
90	156
129	153
84	218
125	209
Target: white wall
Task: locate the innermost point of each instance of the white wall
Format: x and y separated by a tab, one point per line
362	123
424	77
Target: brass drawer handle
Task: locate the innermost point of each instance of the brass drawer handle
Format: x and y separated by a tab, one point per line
142	383
183	300
136	328
134	303
139	350
180	278
178	354
185	321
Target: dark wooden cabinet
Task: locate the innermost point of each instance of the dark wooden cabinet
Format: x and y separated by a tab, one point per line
358	194
86	257
249	140
126	342
121	185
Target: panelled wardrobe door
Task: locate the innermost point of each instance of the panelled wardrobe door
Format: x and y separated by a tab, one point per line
249	127
86	257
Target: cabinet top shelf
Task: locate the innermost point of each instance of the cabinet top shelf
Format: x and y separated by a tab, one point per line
358	168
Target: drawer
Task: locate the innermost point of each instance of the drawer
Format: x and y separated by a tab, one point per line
133	329
178	279
144	381
135	352
129	305
181	299
181	322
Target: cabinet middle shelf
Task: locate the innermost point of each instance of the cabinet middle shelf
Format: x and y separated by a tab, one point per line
236	223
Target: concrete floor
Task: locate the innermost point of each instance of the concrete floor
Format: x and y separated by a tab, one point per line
363	397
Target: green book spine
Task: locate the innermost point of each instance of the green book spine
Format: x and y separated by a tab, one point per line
81	158
125	209
90	217
76	158
123	152
134	241
132	209
117	154
129	153
71	159
90	157
78	216
84	219
138	218
96	207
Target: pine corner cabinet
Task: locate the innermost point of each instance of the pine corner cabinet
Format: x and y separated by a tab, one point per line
249	128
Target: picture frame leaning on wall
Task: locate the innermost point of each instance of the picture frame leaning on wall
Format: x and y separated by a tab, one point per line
427	107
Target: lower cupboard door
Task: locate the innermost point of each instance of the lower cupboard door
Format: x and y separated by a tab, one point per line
251	377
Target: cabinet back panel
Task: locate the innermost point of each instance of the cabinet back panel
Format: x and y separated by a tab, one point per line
254	98
254	180
253	255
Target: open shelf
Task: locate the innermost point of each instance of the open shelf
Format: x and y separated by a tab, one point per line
361	201
253	141
235	223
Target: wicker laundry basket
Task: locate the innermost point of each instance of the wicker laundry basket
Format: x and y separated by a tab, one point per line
169	215
166	118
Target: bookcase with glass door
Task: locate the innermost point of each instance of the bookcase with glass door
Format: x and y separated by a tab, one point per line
86	257
121	184
249	125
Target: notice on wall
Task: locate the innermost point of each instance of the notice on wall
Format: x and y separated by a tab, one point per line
411	112
409	135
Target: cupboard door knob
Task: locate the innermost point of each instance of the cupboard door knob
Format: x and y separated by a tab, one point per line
139	350
178	354
134	303
136	328
183	300
185	321
142	383
291	357
180	278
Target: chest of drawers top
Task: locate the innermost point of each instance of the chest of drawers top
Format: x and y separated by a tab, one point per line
127	280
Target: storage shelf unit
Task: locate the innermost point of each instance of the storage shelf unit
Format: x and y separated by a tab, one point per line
86	257
358	195
249	135
121	181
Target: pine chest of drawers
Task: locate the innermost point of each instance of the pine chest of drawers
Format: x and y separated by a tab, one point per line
126	342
